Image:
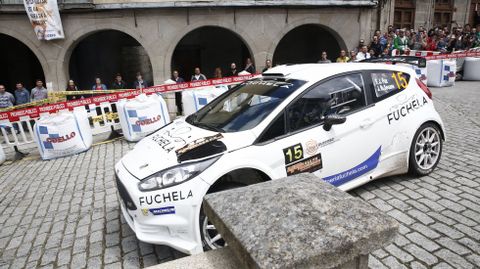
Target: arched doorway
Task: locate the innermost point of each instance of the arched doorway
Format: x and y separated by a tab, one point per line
18	64
305	43
209	47
104	54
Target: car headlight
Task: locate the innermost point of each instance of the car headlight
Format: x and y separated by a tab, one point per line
175	175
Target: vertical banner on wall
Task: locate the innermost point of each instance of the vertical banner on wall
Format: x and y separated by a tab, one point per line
45	19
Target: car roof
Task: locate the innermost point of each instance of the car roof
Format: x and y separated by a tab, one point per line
315	72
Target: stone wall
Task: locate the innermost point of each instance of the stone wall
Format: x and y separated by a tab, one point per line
160	30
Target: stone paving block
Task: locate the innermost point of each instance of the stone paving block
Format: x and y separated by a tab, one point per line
392	262
453	259
112	254
474	245
446	230
420	216
421	254
442	265
417	265
95	249
401	217
64	257
453	246
403	256
94	263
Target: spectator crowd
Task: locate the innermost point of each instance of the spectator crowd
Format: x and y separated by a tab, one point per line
440	39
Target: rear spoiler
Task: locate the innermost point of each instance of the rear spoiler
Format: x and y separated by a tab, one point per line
413	60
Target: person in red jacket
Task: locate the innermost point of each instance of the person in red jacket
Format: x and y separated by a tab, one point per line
431	43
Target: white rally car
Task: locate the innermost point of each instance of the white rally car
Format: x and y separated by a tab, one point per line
346	123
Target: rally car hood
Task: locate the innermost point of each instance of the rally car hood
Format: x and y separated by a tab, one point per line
180	142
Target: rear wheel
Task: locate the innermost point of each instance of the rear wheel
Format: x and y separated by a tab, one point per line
426	149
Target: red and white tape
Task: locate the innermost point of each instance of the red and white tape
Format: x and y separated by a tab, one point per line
34	112
436	55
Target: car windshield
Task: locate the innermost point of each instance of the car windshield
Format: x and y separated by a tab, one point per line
244	106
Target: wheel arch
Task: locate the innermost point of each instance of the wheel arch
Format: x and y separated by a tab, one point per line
252	176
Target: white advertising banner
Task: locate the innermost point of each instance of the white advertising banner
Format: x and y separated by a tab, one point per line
45	19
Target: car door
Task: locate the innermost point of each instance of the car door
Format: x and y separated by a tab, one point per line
296	141
393	110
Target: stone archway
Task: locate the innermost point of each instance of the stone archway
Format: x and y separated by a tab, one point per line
19	63
304	44
104	53
209	47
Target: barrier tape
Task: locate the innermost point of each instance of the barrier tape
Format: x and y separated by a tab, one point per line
436	55
34	112
452	55
63	93
110	116
34	103
53	97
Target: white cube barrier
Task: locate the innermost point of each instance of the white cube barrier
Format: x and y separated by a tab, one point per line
193	100
63	134
142	116
420	72
441	73
471	68
3	158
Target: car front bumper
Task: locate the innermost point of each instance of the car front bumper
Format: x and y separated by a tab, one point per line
165	217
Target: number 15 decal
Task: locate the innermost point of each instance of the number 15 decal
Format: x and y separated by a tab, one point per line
400	80
293	153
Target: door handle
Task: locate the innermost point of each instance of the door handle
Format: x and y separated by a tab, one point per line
366	123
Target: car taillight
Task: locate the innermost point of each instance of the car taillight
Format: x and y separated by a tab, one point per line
424	88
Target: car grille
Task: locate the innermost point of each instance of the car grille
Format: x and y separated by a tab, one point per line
124	195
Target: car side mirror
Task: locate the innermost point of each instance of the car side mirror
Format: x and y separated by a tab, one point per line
332	119
422	63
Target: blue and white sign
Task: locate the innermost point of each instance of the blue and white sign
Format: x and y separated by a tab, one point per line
359	170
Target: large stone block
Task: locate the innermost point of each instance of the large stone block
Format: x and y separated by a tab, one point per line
298	222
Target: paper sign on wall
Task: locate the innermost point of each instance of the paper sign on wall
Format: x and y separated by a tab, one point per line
45	19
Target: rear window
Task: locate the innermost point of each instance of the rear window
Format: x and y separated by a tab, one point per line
388	83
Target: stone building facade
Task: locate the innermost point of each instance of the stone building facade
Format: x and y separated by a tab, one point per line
105	37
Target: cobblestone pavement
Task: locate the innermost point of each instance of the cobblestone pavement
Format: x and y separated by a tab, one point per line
440	213
64	213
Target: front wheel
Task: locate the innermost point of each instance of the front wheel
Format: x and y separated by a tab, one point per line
211	238
426	149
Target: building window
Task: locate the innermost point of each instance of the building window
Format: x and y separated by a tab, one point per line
443	13
404	15
474	16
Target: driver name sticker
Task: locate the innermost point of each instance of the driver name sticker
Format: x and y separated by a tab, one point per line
293	153
387	82
310	164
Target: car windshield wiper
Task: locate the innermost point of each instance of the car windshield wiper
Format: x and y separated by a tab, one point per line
193	119
208	126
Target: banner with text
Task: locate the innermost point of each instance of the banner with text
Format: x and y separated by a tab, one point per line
45	19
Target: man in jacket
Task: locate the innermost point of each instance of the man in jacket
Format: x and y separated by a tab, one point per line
39	92
118	84
22	96
198	75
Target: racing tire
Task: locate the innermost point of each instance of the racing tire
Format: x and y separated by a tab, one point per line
426	149
211	239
